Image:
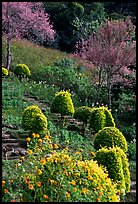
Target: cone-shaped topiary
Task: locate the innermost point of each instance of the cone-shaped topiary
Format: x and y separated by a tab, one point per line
62	104
101	117
21	71
116	162
34	120
4	72
109	137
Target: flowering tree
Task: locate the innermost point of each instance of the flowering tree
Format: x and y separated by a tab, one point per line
22	19
110	49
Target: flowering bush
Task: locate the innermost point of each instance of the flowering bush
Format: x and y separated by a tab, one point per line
55	175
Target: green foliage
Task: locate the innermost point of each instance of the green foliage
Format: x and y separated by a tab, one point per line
132	151
56	175
101	117
62	104
34	120
4	72
129	132
83	113
22	70
116	162
110	137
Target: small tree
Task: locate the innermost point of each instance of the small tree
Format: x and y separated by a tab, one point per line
25	19
110	48
62	104
83	113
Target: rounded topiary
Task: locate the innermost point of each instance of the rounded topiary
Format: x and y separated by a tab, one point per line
62	104
101	117
34	120
116	163
21	71
4	72
109	137
83	113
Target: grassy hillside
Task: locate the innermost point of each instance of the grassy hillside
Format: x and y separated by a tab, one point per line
33	55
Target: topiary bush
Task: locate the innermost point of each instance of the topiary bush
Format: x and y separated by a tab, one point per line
101	117
34	120
62	104
22	71
83	113
4	72
109	137
116	163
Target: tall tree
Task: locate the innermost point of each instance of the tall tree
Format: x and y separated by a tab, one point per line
110	49
25	19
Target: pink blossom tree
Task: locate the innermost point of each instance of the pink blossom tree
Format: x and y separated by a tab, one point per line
110	49
22	19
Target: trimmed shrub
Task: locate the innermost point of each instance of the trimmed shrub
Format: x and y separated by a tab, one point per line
21	71
4	72
34	120
110	137
101	117
83	113
62	104
116	163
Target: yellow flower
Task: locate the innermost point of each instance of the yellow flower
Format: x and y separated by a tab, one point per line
73	182
89	177
38	183
11	180
28	139
33	135
51	146
39	140
67	194
27	181
38	149
77	152
80	182
101	193
55	183
39	171
98	199
31	187
56	146
74	189
37	135
43	161
45	196
84	191
22	158
16	166
3	183
29	151
92	153
5	190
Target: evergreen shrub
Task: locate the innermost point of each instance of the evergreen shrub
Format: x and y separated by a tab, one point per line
101	117
116	163
109	137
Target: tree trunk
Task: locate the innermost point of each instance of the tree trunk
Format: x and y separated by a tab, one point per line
8	60
109	90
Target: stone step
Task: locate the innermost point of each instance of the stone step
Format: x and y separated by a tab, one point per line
9	140
10	145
